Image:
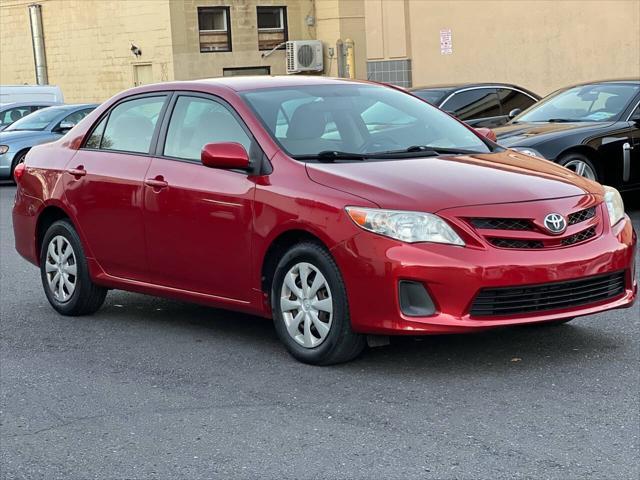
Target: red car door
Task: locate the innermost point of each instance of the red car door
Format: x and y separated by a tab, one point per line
104	185
198	220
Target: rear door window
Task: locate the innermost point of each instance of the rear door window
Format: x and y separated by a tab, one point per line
129	127
472	104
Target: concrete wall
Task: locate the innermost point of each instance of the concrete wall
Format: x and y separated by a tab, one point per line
539	44
342	19
189	63
87	44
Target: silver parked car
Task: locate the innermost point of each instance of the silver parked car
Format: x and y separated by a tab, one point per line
43	126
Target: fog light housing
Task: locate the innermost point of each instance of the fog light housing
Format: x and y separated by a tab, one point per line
415	301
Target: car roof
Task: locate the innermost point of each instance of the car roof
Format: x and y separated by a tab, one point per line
621	81
69	107
255	82
459	86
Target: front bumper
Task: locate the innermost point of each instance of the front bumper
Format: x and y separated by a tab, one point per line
372	266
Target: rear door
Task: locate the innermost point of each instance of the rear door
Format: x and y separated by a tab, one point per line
198	220
104	184
478	107
634	147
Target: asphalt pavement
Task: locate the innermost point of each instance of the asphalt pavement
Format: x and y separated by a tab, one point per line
153	388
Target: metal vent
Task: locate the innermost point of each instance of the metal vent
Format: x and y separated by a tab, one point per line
579	237
502	223
305	56
581	216
515	243
549	296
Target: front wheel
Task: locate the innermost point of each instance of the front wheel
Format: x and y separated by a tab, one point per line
310	307
581	165
65	274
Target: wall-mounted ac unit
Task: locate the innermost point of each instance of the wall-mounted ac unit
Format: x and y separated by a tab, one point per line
304	56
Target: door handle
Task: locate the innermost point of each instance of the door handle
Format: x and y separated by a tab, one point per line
157	183
626	161
77	172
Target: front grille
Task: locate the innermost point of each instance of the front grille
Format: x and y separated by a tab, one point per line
515	243
581	216
579	237
548	296
502	223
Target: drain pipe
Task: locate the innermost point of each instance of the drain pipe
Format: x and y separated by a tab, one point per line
37	38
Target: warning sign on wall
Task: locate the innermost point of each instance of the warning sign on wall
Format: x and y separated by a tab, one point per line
446	42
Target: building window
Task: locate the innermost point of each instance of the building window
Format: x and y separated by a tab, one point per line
236	71
215	31
272	27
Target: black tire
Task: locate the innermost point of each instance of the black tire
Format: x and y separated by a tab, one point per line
18	159
87	297
568	159
341	343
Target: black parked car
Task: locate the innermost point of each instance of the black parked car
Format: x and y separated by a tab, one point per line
592	129
479	104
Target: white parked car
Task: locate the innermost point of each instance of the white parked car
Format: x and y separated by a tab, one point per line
30	93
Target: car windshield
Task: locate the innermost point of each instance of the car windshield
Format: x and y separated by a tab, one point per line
585	103
360	120
37	120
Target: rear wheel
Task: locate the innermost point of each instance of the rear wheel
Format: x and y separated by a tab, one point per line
65	274
581	165
310	307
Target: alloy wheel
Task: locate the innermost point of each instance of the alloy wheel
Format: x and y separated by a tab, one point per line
61	268
581	168
306	305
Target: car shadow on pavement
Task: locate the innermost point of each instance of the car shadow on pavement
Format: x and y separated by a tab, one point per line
538	346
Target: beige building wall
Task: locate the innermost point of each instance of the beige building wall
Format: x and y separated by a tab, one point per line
539	44
87	44
190	63
342	19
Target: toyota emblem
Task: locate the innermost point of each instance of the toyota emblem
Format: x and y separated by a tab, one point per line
555	223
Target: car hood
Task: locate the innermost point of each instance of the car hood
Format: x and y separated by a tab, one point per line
20	135
521	134
435	183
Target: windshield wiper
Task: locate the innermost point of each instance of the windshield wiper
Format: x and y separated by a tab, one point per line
421	151
332	155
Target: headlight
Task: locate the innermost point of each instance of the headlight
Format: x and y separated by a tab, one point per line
408	227
528	151
4	149
615	205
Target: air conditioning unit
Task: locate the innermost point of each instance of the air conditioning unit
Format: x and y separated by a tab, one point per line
304	56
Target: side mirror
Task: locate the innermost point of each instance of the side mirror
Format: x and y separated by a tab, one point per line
635	118
486	133
64	127
514	113
229	155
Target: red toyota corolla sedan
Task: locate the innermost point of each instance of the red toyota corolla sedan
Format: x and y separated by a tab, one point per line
340	209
